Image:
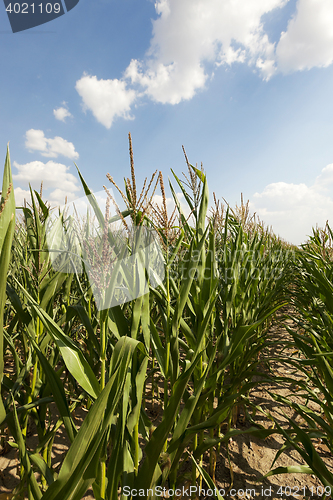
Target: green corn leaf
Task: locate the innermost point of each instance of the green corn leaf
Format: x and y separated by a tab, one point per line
37	460
133	417
81	313
203	204
158	347
91	199
185	226
136	317
24	408
57	391
17	304
120	451
80	467
187	412
7	227
145	321
24	457
42	205
159	436
186	196
189	272
292	469
207	479
120	320
38	231
241	335
309	453
7	204
72	355
253	431
218	416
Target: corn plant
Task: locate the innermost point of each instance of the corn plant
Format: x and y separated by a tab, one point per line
7	227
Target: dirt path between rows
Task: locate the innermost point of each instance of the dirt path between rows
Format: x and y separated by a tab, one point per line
251	458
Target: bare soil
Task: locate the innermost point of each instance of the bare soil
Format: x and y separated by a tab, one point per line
251	458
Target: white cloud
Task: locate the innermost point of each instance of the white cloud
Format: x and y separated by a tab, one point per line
308	41
324	181
55	198
190	33
293	209
35	140
58	197
107	99
54	176
190	38
52	148
61	114
21	195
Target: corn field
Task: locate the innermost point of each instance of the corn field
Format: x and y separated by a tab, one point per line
180	331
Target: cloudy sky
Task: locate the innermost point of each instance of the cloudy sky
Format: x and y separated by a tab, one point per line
244	85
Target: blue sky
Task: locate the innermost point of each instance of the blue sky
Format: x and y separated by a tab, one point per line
245	86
